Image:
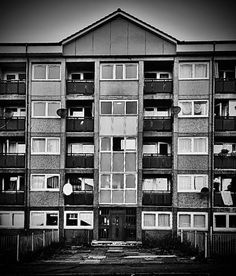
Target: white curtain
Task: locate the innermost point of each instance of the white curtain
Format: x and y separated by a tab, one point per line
163	220
52	109
200	71
199	182
107	71
184	221
37	219
18	220
54	71
5	219
149	220
38	145
186	108
199	145
38	182
184	145
200	108
86	219
53	145
186	71
199	221
184	183
39	109
40	72
119	72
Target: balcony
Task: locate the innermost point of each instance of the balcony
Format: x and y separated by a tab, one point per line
225	86
156	161
12	160
80	87
225	161
11	198
225	123
78	160
75	124
157	124
218	201
13	124
156	198
153	86
80	198
12	87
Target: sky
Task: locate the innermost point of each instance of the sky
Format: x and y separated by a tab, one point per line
53	20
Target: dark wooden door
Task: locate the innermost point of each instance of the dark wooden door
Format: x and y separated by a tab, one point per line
117	225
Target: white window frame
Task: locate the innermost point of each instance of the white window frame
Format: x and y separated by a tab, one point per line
47	71
46	176
192	109
192	214
192	146
155	179
156	227
44	226
223	229
17	185
78	226
112	111
193	70
11	214
114	71
46	109
46	141
192	176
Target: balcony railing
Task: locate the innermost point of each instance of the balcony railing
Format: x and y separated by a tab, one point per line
80	87
78	160
79	124
225	86
12	160
157	124
156	161
12	198
225	161
12	87
156	198
80	198
218	201
153	86
13	124
225	123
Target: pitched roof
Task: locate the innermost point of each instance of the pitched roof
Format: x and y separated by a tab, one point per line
111	16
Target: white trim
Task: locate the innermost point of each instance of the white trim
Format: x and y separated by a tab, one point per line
192	146
193	70
192	214
46	109
78	218
45	149
192	109
192	176
44	226
156	227
46	176
11	214
123	71
47	71
226	228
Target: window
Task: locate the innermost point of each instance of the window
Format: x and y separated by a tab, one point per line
81	148
156	220
46	72
194	221
193	108
44	219
156	184
119	71
12	183
156	111
81	184
157	75
119	107
15	76
13	219
160	148
45	182
45	145
196	70
224	221
192	145
192	183
45	109
16	111
78	219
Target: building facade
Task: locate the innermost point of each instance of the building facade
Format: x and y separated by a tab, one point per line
119	132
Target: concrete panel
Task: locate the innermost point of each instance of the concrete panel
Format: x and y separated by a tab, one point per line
69	49
46	125
84	45
41	198
194	87
169	48
195	48
13	49
119	35
154	44
46	88
118	88
102	40
192	200
136	40
192	162
45	49
45	162
193	125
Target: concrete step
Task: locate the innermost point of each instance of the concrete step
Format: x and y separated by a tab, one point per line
96	243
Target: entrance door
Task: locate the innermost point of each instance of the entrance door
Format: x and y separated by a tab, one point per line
117	225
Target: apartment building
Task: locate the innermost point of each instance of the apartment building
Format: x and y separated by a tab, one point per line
119	132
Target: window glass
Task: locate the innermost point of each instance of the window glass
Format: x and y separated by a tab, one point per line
11	185
105	144
51	219
130	162
130	196
220	221
107	71
118	162
131	71
37	219
186	71
184	221
131	107
37	181
119	71
199	221
184	183
199	182
200	108
53	182
5	219
88	184
52	109
130	181
53	145
186	108
163	220
72	219
149	220
54	72
85	219
18	219
105	196
105	162
106	107
105	181
40	72
118	144
130	144
199	145
232	221
39	109
118	107
184	145
118	181
38	145
200	71
117	197
161	184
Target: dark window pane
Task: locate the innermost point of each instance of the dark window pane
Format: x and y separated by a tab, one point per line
232	221
71	219
51	219
220	221
106	108
131	107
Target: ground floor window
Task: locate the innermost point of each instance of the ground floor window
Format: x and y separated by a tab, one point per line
224	222
44	219
12	219
78	219
192	221
156	220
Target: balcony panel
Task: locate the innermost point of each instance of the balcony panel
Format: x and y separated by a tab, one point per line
156	198
157	124
11	198
14	124
80	161
79	198
12	87
218	201
79	124
225	124
154	161
12	160
80	87
225	86
158	86
225	162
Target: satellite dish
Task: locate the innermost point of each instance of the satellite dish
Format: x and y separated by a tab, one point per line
67	189
62	112
204	190
176	110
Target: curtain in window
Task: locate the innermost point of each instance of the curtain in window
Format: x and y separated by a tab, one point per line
39	109
149	220
131	71
54	72
86	219
130	162
199	182
37	182
118	181
52	109
118	162
107	71
105	162
5	219
53	182
184	145
37	219
11	185
119	72
200	71
38	145
163	220
186	71
199	145
184	183
148	185
18	220
199	221
186	108
40	72
200	108
161	184
53	145
105	181
105	144
184	221
12	147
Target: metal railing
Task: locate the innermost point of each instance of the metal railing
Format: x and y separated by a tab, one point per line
79	160
153	86
12	87
225	161
157	124
225	123
225	85
79	124
13	124
12	160
80	87
218	201
156	161
156	198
